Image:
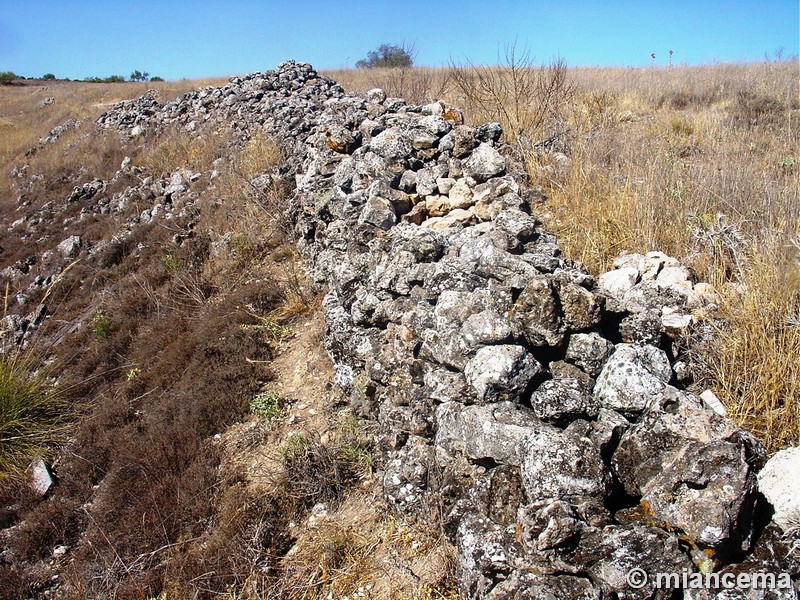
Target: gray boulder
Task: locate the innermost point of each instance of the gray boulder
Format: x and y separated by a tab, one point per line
393	144
378	212
501	372
70	247
484	163
490	431
556	464
632	378
563	400
589	351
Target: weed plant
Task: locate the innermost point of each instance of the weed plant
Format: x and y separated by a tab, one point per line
33	417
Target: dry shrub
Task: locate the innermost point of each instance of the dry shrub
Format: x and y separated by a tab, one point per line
77	157
752	109
241	552
176	368
173	148
417	85
524	98
251	177
316	472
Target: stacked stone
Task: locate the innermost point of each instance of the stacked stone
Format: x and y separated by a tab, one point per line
537	405
283	103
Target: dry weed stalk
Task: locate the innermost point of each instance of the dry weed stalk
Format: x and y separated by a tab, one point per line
523	98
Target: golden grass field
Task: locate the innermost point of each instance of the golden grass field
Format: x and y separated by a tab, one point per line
698	162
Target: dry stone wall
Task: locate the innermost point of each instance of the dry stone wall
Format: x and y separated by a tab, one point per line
539	412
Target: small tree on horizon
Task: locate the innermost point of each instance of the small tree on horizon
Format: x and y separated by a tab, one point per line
388	56
137	75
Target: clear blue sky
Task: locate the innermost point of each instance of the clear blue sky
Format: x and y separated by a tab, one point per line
177	39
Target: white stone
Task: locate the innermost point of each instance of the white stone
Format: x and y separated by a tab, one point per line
779	481
70	246
674	277
710	399
674	321
41	479
461	194
618	281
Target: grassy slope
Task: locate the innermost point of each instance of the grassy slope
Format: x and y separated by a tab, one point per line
166	483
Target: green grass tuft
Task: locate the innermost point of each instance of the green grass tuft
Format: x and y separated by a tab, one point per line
32	417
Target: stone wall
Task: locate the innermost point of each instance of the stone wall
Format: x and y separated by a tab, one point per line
539	413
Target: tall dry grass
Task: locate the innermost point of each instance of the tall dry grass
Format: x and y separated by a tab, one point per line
701	163
698	162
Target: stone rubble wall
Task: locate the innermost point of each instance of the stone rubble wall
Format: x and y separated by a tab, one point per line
539	412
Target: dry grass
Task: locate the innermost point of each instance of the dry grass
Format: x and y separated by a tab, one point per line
419	85
698	162
24	121
363	551
756	367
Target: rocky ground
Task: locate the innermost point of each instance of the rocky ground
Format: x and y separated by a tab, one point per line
543	419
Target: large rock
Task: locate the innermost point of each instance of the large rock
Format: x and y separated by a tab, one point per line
779	481
563	400
537	313
480	432
609	555
499	372
632	378
692	470
589	351
484	163
392	143
70	247
559	465
378	212
706	491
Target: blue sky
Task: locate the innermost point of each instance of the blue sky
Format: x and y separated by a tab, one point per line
177	39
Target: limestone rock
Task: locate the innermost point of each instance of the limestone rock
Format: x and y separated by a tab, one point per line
563	400
378	212
632	378
501	371
589	351
779	481
41	478
70	247
560	465
484	163
480	432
